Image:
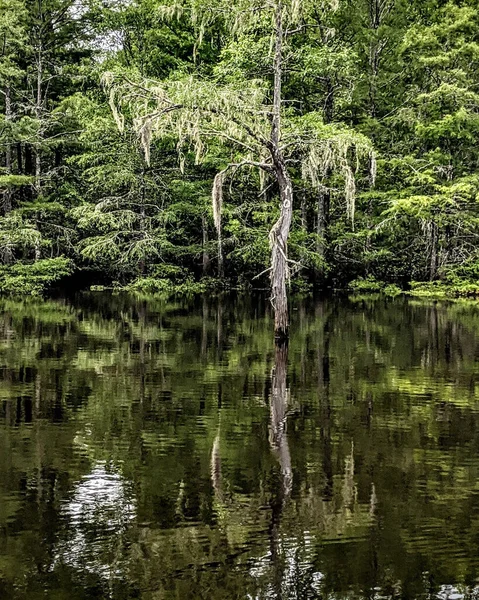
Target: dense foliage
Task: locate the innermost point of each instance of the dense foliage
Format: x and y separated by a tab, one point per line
387	87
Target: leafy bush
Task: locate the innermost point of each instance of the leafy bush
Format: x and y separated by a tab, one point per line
459	289
33	278
366	284
392	290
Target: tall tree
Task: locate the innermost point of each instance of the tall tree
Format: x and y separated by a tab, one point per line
249	117
12	36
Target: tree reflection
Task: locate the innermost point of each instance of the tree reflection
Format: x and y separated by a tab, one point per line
384	444
278	439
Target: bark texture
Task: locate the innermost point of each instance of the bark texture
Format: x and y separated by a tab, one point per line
279	233
279	256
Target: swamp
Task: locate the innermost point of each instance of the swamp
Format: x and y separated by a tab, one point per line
167	450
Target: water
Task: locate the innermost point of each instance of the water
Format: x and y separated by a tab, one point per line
166	450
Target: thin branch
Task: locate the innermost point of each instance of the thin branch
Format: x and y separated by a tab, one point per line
262	273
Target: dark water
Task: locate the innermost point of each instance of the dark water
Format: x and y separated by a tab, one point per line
156	451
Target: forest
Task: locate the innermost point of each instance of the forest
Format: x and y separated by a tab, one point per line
195	145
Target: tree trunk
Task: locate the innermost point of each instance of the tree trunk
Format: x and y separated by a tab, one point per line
279	256
321	224
433	263
7	195
28	160
38	251
279	234
206	258
221	270
378	11
38	115
329	102
142	223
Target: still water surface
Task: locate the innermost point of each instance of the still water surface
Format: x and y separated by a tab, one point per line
160	450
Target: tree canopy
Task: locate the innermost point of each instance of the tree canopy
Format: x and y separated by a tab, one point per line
121	122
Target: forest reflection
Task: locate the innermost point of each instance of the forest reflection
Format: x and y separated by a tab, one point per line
164	450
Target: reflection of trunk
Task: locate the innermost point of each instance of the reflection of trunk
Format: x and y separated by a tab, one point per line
142	353
38	434
325	403
204	331
215	465
37	396
433	338
215	469
349	490
219	327
278	407
279	443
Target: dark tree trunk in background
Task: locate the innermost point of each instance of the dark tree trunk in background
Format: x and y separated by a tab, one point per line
322	223
7	195
433	241
19	158
304	212
378	11
38	115
28	160
206	258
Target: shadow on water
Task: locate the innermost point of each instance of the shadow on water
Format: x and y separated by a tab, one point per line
153	449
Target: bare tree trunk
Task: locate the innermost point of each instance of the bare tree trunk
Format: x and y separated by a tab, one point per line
279	256
142	265
38	115
279	233
7	195
38	250
329	102
221	270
